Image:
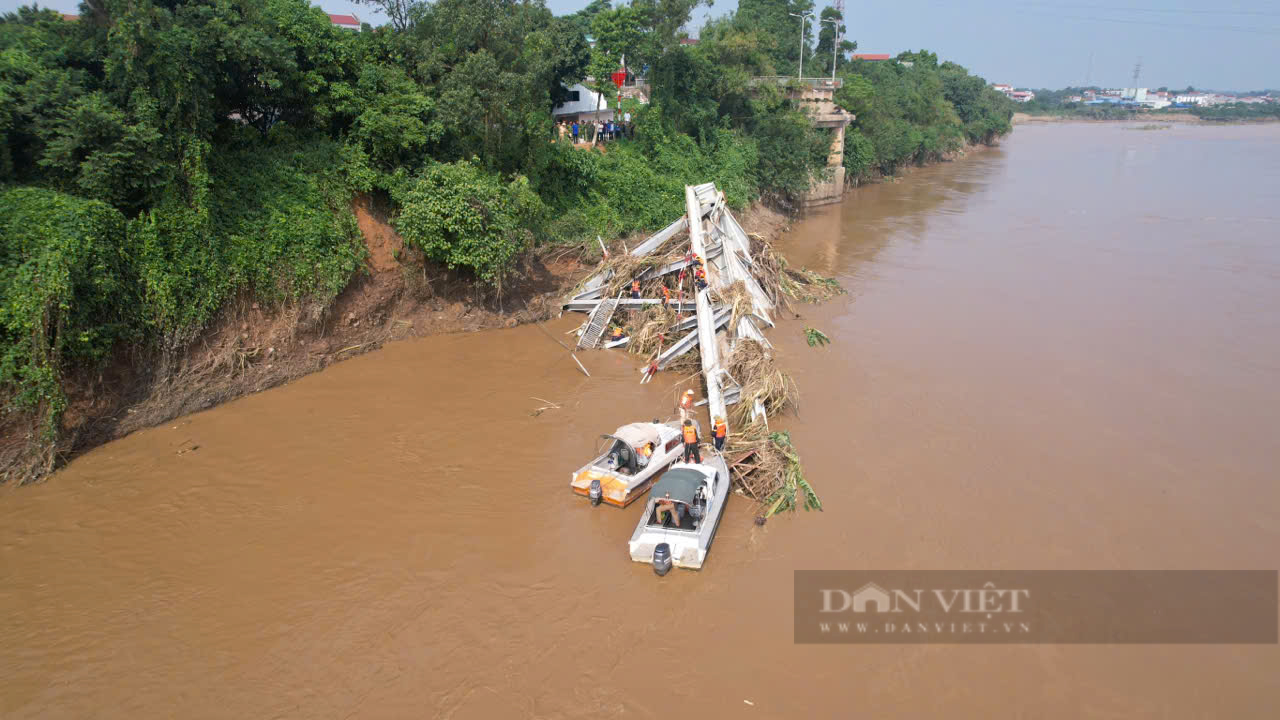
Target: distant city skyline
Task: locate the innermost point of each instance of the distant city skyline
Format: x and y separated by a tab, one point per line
1233	45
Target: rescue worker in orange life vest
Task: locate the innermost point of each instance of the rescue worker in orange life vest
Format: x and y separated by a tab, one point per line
691	442
686	404
700	276
721	431
666	294
635	289
616	333
643	453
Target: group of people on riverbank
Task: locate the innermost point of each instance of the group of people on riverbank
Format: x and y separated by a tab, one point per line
591	132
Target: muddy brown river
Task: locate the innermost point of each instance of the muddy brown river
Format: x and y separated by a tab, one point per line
1063	353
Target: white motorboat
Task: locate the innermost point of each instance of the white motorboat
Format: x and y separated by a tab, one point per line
682	514
622	472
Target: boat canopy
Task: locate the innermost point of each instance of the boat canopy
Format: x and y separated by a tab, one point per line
637	434
681	483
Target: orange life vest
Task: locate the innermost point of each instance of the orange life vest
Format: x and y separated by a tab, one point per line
666	293
646	450
721	428
690	435
686	401
617	333
635	286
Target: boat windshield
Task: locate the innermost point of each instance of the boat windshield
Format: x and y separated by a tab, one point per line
619	457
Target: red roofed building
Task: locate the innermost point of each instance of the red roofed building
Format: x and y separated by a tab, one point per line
69	17
875	57
346	22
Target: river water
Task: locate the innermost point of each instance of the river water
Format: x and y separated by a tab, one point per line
1060	353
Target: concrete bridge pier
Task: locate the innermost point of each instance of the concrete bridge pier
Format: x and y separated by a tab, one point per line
817	98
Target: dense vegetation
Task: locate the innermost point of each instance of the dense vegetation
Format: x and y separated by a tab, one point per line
1235	112
914	110
159	157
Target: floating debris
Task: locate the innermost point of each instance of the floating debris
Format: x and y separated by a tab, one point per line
816	337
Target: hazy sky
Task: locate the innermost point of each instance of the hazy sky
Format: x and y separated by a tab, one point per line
1220	44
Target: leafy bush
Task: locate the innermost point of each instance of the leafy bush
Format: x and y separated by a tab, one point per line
465	217
639	186
272	219
66	292
284	214
859	153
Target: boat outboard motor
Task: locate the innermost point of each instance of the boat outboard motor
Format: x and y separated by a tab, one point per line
662	559
594	492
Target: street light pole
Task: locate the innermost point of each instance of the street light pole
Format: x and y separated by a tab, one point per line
835	41
803	19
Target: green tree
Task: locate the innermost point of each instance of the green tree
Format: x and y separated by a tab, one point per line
773	19
581	20
830	21
392	119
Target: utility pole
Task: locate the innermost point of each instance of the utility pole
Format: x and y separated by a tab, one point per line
839	6
1137	70
803	19
835	42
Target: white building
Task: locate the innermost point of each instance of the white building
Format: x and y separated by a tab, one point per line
583	103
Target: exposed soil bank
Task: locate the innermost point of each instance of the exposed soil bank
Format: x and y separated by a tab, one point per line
251	348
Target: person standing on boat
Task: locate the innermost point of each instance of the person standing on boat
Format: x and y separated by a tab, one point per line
691	442
721	432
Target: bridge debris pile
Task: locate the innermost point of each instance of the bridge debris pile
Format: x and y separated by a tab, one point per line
706	292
